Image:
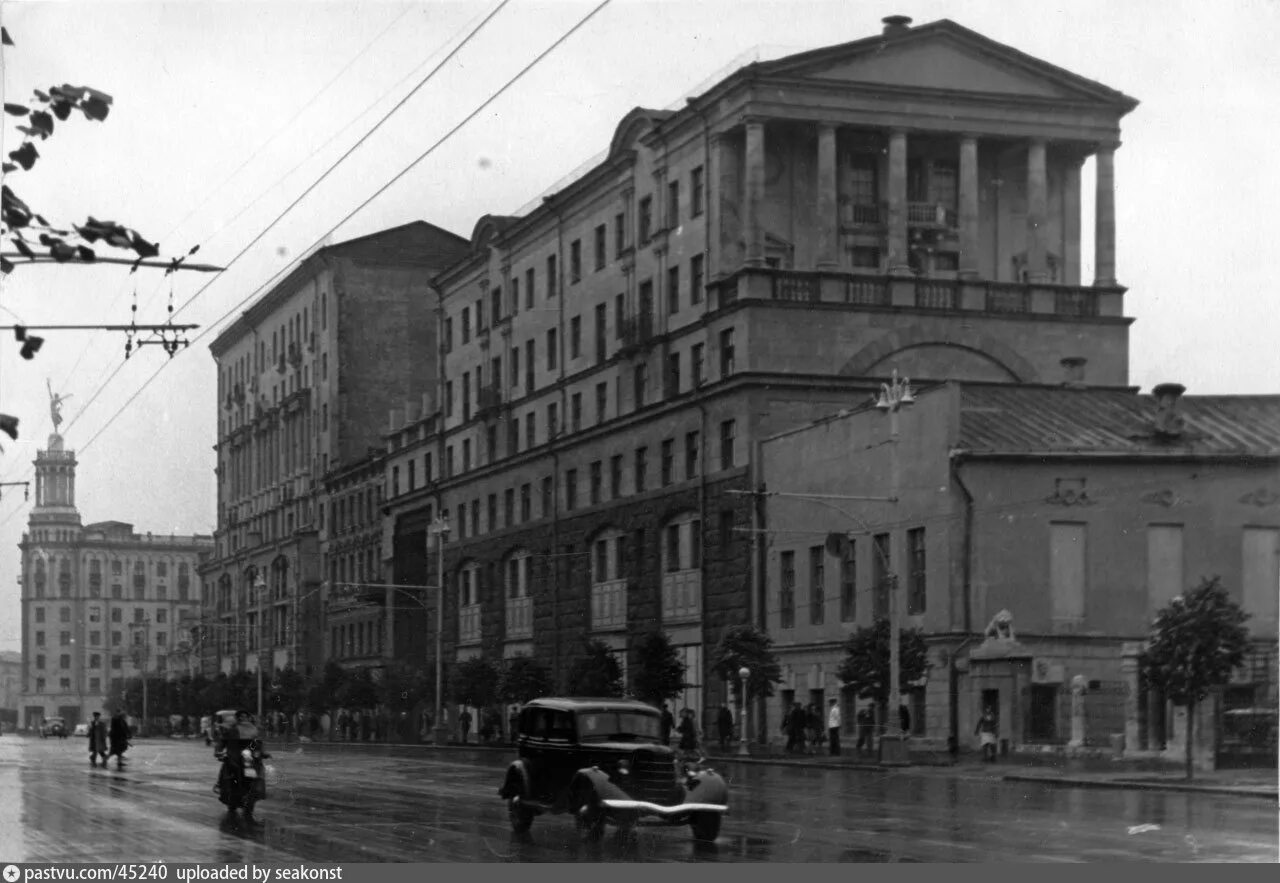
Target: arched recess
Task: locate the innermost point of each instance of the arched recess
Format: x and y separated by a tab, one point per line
976	349
632	126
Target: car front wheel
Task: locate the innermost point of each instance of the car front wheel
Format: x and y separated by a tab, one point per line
705	825
521	816
589	815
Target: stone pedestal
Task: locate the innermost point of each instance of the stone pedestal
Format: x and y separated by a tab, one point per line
1078	685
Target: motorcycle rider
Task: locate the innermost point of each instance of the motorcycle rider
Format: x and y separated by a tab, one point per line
230	739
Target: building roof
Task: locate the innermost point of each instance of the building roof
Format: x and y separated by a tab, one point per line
1024	419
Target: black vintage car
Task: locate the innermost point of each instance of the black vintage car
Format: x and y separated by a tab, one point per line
602	760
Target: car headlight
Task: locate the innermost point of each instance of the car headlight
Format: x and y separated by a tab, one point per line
624	768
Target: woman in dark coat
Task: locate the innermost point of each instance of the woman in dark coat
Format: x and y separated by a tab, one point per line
688	730
118	737
97	739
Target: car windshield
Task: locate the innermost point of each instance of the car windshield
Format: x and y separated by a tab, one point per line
614	725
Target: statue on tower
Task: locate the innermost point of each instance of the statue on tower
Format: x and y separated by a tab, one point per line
55	405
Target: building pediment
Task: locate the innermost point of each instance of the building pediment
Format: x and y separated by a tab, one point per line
946	56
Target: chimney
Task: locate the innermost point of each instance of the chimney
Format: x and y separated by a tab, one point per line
896	25
1073	372
1168	422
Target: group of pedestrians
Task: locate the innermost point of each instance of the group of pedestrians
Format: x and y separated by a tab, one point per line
108	741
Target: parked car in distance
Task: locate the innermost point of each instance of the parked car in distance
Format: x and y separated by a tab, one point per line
53	726
602	760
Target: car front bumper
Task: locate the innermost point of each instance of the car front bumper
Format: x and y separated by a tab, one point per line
657	809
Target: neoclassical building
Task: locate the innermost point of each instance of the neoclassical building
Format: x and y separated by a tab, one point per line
100	602
767	253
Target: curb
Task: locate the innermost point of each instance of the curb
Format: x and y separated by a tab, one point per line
1191	788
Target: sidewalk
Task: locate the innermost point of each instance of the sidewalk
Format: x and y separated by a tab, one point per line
1049	770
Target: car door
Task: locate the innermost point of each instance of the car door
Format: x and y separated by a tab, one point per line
533	749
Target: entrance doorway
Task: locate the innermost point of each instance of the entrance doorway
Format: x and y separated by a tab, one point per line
1043	717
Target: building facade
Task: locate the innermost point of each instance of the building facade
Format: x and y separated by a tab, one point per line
306	377
100	603
10	689
1079	511
763	255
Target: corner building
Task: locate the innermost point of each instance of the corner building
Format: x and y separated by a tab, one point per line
100	603
766	254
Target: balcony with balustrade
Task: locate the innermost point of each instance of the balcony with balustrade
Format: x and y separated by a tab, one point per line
682	596
609	605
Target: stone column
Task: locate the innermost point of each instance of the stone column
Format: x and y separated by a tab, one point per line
1104	230
1037	209
828	206
1129	673
968	207
753	193
1069	273
897	221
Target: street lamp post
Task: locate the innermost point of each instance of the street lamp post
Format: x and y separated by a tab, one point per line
440	530
260	585
743	674
894	396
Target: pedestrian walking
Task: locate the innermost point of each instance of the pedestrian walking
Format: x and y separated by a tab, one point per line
97	739
793	725
118	739
724	723
464	721
833	729
813	726
866	720
666	725
986	733
688	730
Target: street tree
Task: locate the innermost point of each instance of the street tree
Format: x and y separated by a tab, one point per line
358	690
523	678
1196	641
288	691
474	682
659	672
322	692
595	672
216	694
747	645
404	685
865	667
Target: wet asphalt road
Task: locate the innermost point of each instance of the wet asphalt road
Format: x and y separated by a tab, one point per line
331	805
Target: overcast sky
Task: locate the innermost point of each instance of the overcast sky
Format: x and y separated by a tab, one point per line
225	113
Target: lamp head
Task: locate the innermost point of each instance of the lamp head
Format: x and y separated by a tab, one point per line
744	673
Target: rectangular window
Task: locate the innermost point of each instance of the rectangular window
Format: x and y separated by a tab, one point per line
551	276
673	290
475	518
691	455
448	398
696	273
493	512
597	481
817	584
601	238
513	435
864	192
642	466
1164	565
575	337
530	429
482	318
644	310
495	300
615	476
880	550
466	395
668	460
528	288
509	507
601	332
673	205
548	499
575	261
515	295
515	366
413	477
673	375
427	475
1067	557
466	455
646	220
571	489
530	360
695	192
696	360
553	420
787	590
448	461
640	379
728	431
917	596
726	352
849	581
447	335
466	324
619	234
672	555
551	349
395	481
575	412
1260	576
602	401
619	315
462	521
